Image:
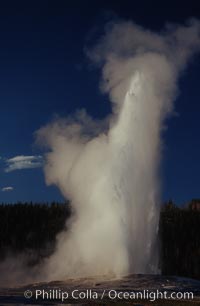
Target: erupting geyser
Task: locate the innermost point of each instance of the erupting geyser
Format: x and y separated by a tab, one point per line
110	169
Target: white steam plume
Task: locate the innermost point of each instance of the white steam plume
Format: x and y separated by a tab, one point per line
111	175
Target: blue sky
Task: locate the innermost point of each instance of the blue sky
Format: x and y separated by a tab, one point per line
44	71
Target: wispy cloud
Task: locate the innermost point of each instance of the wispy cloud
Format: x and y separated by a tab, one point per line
23	162
9	188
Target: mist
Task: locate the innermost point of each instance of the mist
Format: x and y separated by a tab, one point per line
109	169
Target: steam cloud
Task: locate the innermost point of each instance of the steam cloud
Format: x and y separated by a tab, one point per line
110	169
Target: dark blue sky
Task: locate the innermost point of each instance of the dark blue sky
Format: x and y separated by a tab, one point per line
44	71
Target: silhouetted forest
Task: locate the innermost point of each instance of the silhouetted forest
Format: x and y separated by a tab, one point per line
32	228
180	240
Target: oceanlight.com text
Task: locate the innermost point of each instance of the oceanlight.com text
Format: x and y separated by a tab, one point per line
109	294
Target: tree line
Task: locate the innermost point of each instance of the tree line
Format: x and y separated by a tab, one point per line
179	232
32	228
